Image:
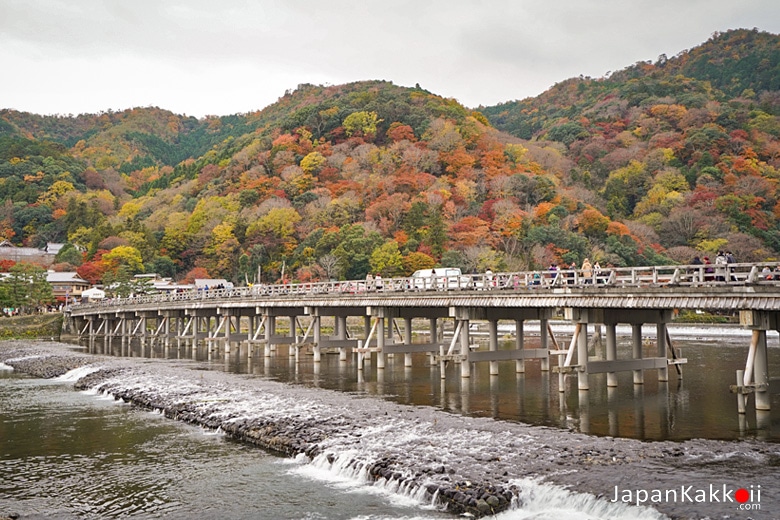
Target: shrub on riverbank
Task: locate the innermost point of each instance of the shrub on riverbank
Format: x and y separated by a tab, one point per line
47	326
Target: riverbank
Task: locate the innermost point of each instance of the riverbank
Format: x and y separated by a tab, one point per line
468	465
34	326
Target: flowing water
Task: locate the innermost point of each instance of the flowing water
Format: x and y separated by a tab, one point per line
69	454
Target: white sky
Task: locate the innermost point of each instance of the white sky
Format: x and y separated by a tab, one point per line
219	57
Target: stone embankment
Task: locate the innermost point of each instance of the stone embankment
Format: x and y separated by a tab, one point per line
467	465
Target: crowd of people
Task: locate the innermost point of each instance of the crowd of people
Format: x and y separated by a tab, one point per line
718	270
589	273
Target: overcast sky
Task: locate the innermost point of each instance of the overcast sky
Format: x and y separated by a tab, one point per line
218	57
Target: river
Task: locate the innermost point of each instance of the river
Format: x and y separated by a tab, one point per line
70	454
696	404
67	454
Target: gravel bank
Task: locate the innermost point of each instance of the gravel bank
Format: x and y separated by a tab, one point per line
476	466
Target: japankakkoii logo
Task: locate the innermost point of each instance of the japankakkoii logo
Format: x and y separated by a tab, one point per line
746	498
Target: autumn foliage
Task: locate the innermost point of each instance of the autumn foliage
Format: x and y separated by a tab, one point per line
332	182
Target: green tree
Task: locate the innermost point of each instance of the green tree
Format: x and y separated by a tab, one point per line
122	283
26	288
163	265
354	250
69	254
387	259
567	133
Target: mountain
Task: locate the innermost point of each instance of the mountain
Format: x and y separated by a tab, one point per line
735	64
654	164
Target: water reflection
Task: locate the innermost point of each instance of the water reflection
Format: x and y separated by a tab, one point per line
700	406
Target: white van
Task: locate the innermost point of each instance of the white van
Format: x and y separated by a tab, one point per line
439	278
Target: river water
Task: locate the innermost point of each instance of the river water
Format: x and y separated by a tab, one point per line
696	404
69	454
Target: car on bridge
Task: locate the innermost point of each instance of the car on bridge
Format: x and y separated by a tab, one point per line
439	278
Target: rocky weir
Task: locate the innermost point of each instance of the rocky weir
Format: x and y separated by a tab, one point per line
464	465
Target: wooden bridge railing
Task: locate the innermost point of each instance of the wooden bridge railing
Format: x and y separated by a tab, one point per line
648	276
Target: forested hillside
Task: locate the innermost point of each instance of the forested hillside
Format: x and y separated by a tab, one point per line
651	165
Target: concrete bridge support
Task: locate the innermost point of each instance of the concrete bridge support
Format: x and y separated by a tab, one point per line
755	378
340	338
341	333
636	349
199	326
317	338
145	317
270	333
384	326
407	340
611	365
172	324
465	315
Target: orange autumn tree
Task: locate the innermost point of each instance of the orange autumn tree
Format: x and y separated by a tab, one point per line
470	231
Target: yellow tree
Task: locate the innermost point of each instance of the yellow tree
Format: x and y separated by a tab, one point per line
55	191
176	236
387	259
276	231
313	163
362	122
223	249
127	256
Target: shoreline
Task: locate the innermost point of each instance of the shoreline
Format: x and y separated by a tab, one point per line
463	464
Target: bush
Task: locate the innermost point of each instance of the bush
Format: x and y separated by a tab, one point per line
694	317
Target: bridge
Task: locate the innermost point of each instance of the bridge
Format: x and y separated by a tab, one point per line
315	316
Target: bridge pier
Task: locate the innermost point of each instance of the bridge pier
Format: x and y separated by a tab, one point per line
270	332
341	334
407	340
755	378
200	323
611	353
384	326
660	337
493	344
174	318
582	358
469	354
108	331
340	339
611	365
435	338
265	320
381	358
519	345
317	338
636	350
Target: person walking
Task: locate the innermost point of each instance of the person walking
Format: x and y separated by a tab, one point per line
730	260
587	271
720	267
572	275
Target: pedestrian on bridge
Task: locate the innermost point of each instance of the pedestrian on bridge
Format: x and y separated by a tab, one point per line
587	271
720	267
